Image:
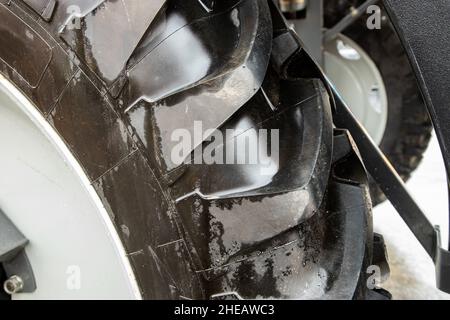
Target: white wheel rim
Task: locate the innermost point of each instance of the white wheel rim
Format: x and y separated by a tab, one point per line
74	249
359	82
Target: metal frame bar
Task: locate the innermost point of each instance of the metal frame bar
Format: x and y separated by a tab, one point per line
13	258
420	27
348	20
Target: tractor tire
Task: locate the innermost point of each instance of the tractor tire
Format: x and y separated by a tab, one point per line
115	80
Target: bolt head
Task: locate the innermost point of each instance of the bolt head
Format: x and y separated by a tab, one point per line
13	285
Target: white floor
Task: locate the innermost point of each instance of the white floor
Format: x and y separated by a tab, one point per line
412	271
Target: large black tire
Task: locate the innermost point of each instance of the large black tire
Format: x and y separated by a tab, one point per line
103	95
409	127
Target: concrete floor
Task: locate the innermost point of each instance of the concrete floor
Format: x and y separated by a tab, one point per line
412	271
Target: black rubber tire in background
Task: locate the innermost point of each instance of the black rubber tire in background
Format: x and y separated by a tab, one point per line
409	127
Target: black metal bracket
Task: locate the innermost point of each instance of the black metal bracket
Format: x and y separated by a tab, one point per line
423	29
13	258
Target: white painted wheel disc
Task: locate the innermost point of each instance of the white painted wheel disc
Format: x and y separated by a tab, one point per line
74	249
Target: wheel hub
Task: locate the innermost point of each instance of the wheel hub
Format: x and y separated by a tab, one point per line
360	83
